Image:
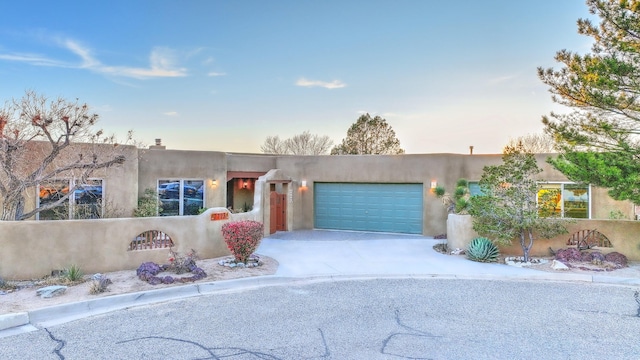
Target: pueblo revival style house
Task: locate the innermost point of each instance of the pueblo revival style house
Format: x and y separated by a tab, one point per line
386	193
200	191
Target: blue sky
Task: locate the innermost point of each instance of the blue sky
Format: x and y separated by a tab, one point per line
224	75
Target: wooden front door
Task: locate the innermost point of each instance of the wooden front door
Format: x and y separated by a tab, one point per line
278	206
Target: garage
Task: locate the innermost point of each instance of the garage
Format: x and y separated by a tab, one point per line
368	207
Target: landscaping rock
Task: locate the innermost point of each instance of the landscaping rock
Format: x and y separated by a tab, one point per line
518	261
558	265
51	291
457	251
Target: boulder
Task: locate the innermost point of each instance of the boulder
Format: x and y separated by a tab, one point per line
558	265
51	291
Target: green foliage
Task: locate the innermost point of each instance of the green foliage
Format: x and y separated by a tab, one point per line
369	136
459	202
617	171
462	183
73	273
148	204
483	250
617	215
598	140
508	208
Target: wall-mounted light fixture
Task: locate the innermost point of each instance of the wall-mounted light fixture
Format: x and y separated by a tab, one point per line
214	183
303	183
434	184
245	184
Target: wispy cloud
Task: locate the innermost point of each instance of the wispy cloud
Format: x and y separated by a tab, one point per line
171	113
162	62
213	73
33	59
335	84
501	79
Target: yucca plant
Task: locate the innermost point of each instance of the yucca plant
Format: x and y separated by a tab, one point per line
458	202
483	250
73	273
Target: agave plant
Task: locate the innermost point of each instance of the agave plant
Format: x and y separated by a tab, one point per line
483	250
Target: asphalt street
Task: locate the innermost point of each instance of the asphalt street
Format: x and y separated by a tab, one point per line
403	318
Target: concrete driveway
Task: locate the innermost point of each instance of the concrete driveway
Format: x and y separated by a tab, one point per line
310	253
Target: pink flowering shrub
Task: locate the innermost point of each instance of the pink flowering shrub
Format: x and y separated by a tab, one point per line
242	238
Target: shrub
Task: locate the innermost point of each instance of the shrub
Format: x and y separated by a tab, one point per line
483	250
6	285
99	285
148	204
568	255
148	270
616	258
182	263
179	264
73	273
242	238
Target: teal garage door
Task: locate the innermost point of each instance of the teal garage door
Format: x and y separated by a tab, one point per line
368	207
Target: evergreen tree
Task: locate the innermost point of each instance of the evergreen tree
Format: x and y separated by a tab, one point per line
369	136
598	142
508	207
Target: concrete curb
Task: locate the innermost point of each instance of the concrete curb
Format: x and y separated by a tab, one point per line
15	323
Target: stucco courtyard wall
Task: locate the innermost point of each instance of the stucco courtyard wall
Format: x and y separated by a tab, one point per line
32	249
623	235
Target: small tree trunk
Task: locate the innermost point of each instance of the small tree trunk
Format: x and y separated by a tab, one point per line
526	247
12	209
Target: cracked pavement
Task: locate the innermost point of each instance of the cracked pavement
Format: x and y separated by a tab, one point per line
359	319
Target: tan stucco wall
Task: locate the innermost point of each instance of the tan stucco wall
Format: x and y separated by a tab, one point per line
459	231
623	234
32	249
188	165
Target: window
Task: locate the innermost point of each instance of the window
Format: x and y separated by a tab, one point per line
474	188
565	200
84	203
181	197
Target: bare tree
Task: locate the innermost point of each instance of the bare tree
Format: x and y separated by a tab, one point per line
301	144
42	140
534	143
307	144
273	145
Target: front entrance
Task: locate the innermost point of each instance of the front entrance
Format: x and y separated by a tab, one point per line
278	209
